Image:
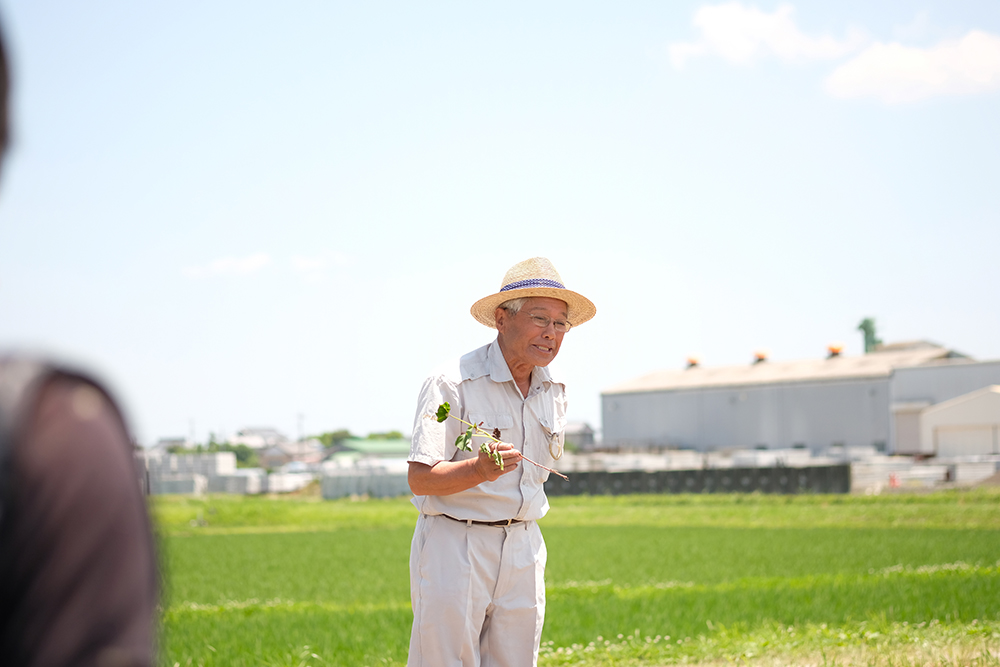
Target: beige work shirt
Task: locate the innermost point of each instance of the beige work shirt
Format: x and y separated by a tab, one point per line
482	389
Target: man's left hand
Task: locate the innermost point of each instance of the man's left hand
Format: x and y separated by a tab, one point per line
487	467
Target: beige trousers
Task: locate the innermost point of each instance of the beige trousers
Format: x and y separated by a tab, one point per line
478	594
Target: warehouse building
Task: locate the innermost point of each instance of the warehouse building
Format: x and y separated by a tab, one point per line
874	400
965	426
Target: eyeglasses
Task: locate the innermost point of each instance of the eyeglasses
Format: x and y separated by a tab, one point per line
542	322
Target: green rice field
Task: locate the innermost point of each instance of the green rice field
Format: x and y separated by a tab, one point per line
903	579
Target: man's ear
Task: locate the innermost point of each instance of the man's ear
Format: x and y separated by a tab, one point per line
500	316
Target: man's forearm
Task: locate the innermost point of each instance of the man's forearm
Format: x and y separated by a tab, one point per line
444	477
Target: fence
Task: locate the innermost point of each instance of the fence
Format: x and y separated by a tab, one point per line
376	484
814	479
379	484
190	484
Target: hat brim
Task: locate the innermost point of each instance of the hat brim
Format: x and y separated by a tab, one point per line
579	308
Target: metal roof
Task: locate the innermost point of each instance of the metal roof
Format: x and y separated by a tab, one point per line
378	446
841	367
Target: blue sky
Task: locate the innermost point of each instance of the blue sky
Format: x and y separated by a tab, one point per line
241	213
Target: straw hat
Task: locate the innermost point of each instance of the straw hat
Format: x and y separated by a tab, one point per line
534	277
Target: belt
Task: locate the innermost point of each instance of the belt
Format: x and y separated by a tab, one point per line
472	522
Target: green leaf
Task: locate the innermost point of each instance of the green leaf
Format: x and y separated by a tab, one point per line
493	453
443	411
464	441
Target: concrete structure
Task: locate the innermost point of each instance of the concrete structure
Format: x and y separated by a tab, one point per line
840	402
244	481
972	472
374	485
209	465
374	467
189	484
286	482
214	472
376	478
968	425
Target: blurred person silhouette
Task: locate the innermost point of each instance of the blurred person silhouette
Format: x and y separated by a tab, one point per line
78	575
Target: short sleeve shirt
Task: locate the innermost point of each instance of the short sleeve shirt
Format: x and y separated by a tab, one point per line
482	390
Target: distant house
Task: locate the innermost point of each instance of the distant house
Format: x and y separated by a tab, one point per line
580	435
258	437
305	451
164	445
309	452
272	458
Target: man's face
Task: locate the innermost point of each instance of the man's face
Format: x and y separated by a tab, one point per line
524	342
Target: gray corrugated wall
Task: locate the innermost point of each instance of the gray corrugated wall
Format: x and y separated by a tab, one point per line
816	414
942	383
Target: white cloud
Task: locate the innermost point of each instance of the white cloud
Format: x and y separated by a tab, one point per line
229	266
314	268
307	264
741	34
897	74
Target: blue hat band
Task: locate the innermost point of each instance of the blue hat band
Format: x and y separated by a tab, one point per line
532	282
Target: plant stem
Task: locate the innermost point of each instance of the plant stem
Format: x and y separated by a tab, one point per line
484	434
554	472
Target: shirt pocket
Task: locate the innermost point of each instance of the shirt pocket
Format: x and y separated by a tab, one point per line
494	420
486	421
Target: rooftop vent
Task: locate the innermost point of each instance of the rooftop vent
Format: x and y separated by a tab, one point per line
867	327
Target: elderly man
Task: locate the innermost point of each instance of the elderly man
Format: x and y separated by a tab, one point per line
478	559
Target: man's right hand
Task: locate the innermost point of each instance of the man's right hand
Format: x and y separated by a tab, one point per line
446	477
489	470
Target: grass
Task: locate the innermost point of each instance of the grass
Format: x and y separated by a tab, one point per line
231	514
980	508
347	567
875	643
580	613
900	579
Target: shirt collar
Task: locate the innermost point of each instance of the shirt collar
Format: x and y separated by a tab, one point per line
488	361
496	367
